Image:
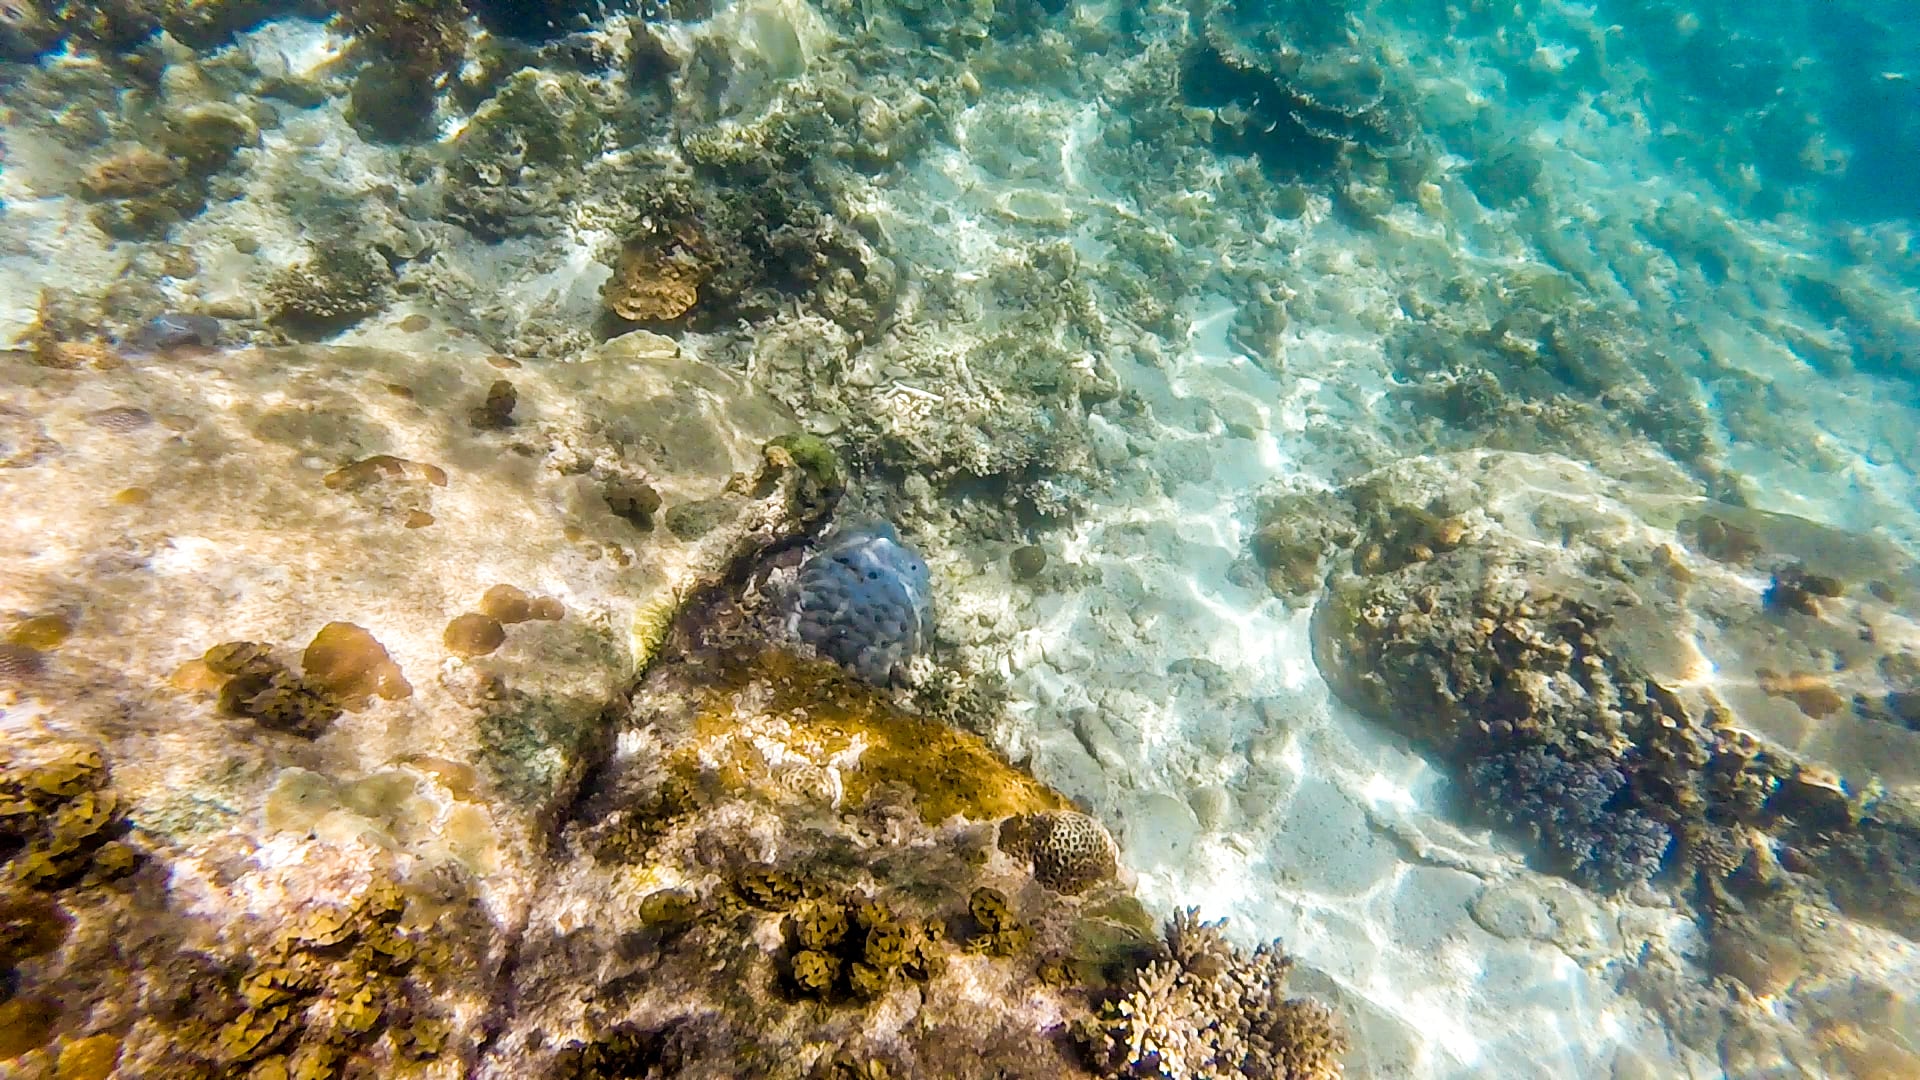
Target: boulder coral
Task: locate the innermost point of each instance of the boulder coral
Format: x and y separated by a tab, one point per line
865	600
1069	851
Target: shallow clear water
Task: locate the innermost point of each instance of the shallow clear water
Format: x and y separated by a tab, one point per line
1434	487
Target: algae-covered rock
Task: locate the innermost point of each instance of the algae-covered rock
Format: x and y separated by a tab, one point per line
263	661
852	848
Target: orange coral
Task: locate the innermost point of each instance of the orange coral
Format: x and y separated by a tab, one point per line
348	662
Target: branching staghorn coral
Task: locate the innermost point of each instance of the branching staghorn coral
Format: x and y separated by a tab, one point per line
1208	1011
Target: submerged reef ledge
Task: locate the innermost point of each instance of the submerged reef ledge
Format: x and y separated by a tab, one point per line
308	773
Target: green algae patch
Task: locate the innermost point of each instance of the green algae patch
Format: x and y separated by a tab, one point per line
840	737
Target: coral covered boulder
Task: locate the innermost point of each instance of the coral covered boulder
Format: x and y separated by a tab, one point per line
1594	658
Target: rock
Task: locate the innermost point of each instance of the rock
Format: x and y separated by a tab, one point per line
1584	633
283	486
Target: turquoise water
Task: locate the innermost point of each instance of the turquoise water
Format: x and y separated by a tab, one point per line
1433	486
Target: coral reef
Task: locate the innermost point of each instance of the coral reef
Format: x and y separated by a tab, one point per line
187	886
345	667
33	27
138	171
519	158
140	191
1208	1009
1570	807
778	861
1561	683
1304	99
1296	534
424	38
865	600
1027	561
346	661
742	243
337	286
327	984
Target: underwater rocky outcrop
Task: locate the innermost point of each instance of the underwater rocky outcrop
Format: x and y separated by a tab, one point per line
779	871
1590	659
276	692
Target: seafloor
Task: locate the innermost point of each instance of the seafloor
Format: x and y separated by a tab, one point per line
1434	485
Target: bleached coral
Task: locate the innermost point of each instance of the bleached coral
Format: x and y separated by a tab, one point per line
1209	1011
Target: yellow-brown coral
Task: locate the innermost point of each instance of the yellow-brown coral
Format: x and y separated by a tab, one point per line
346	661
820	714
138	171
41	632
655	280
473	634
1069	850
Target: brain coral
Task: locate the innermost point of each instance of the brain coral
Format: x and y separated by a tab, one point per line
866	601
1070	851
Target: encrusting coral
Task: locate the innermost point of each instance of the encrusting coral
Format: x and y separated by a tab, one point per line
1209	1011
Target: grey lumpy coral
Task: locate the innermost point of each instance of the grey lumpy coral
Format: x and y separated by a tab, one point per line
866	601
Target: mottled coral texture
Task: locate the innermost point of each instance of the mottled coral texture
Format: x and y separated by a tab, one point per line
1575	810
1210	1010
865	600
1069	850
